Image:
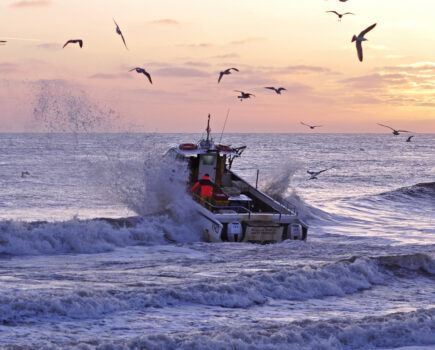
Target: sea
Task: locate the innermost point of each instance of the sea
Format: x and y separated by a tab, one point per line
100	247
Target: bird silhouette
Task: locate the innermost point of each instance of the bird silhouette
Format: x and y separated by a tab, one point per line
226	72
244	95
360	38
340	15
409	138
74	41
143	71
118	31
314	174
311	126
395	132
3	42
278	91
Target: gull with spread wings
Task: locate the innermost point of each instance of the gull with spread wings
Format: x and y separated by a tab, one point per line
314	174
277	90
340	15
143	71
311	126
395	132
74	41
244	95
118	31
359	39
226	72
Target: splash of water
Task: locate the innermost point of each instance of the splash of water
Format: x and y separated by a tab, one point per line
279	187
64	107
154	187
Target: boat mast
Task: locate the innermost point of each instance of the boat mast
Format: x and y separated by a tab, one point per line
208	128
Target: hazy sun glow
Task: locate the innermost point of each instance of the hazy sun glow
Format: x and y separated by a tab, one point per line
184	44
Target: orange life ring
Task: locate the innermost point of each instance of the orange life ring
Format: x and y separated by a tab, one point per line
187	146
224	148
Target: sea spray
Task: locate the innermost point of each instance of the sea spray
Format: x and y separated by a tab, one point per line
154	186
61	106
279	187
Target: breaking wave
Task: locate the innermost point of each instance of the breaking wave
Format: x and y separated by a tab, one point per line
92	236
241	291
393	330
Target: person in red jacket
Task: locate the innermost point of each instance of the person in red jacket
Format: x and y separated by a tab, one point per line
206	188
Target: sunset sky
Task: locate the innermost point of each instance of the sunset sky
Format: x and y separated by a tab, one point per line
184	44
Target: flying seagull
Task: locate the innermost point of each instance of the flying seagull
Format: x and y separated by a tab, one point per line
74	41
395	132
409	138
244	95
3	42
311	126
118	31
143	71
340	15
360	38
314	174
278	91
226	72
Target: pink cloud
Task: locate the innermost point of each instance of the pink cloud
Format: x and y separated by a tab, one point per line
7	67
50	46
180	72
110	76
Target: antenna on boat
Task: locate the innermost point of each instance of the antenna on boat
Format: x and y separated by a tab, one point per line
208	128
225	123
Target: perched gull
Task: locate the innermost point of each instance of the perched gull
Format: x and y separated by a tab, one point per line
340	15
226	72
244	95
311	126
360	38
314	174
395	132
74	41
143	71
278	91
409	138
118	30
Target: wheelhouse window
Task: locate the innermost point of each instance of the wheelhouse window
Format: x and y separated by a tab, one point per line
208	159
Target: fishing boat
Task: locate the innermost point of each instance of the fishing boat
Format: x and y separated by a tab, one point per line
237	211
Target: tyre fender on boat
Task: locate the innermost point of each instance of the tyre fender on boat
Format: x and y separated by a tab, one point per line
224	148
188	146
234	231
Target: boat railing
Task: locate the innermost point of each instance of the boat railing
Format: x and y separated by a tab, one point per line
208	205
289	206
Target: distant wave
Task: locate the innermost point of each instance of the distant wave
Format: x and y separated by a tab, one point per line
241	291
424	190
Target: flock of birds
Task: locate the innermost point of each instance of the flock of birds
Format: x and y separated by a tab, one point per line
245	95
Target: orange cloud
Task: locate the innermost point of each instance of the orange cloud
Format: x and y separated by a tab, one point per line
247	41
31	3
165	21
